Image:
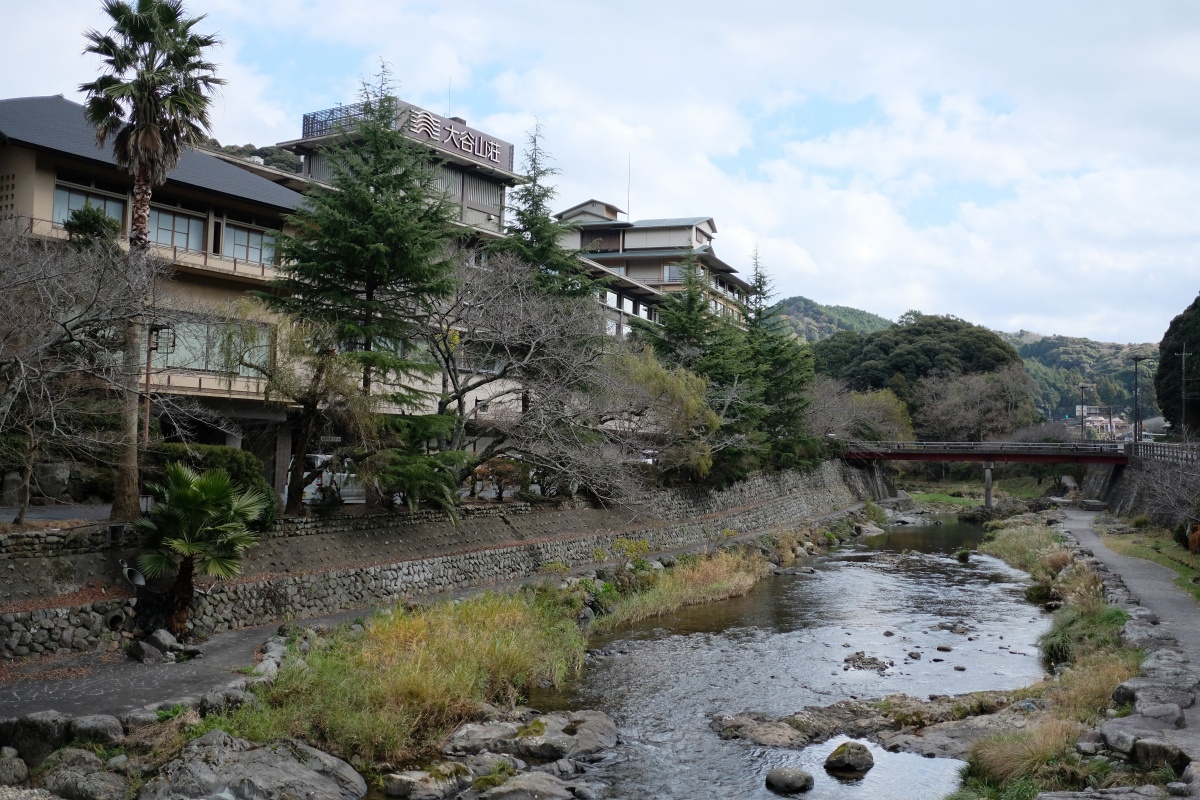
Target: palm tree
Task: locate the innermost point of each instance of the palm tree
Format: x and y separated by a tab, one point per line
153	102
198	524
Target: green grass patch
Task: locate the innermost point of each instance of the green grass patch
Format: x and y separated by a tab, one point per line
944	498
1157	545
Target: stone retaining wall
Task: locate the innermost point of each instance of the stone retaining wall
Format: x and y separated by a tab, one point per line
667	520
768	502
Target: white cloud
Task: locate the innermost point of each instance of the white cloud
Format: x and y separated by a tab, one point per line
1017	164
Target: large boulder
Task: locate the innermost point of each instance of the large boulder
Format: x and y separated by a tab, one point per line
849	758
38	735
12	769
77	774
97	728
562	735
439	781
50	480
477	737
217	762
789	780
531	786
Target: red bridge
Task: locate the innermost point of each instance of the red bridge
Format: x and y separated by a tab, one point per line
1063	453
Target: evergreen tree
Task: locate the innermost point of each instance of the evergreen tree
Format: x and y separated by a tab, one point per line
691	336
786	375
1179	392
534	235
371	252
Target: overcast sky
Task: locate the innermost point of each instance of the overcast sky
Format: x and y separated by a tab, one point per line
1020	164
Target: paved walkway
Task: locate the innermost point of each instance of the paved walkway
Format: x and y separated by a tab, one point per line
1177	611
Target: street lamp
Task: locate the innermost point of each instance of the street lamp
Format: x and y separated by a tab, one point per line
1137	400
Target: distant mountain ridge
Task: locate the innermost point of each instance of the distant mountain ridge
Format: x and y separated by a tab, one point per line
1061	364
812	321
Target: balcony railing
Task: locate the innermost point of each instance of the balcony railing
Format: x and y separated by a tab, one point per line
211	384
35	226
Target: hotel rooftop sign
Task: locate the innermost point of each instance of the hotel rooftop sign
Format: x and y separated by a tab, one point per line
445	134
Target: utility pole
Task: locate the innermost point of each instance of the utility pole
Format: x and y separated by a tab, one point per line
1083	387
1183	391
1137	402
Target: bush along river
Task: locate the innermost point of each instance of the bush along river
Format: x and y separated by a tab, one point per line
889	614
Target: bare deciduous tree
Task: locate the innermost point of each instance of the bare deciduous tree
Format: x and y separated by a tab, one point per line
837	410
973	408
63	318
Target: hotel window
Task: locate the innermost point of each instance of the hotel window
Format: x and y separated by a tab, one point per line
626	305
611	300
172	229
643	311
68	199
247	244
610	327
203	345
673	273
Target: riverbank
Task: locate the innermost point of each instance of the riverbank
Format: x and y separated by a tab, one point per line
1086	726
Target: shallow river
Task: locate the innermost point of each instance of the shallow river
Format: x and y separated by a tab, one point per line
782	647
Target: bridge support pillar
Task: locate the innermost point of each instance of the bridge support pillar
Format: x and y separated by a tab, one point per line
987	485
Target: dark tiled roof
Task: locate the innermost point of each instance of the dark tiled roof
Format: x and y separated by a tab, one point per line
57	124
676	222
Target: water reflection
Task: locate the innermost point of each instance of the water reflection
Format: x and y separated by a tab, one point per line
783	646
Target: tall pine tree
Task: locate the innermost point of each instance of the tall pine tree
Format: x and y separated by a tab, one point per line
534	235
786	370
371	252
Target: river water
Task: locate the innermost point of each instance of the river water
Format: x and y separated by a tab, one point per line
781	648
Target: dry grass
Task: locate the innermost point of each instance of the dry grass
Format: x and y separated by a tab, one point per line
1085	692
785	545
37	525
1006	757
1053	560
718	577
1022	546
397	691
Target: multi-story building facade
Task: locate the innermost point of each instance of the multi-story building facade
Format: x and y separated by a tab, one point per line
650	252
212	222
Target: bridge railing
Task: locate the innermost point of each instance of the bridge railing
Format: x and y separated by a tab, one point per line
1183	454
1095	448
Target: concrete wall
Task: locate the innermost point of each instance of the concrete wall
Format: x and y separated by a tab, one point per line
312	567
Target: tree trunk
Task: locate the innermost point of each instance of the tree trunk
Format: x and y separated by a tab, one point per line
125	497
125	506
26	481
139	229
296	482
180	601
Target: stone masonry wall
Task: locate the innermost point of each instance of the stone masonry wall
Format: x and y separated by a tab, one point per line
668	520
759	504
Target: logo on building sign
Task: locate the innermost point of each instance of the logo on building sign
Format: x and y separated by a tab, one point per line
472	144
455	137
426	123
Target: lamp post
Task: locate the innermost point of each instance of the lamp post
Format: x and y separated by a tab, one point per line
1137	401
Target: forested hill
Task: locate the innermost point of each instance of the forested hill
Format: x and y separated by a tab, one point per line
812	321
1060	364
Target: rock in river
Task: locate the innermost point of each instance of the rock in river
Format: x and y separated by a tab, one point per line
849	758
788	780
285	768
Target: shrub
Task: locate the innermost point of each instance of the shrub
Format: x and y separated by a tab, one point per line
1008	756
243	467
